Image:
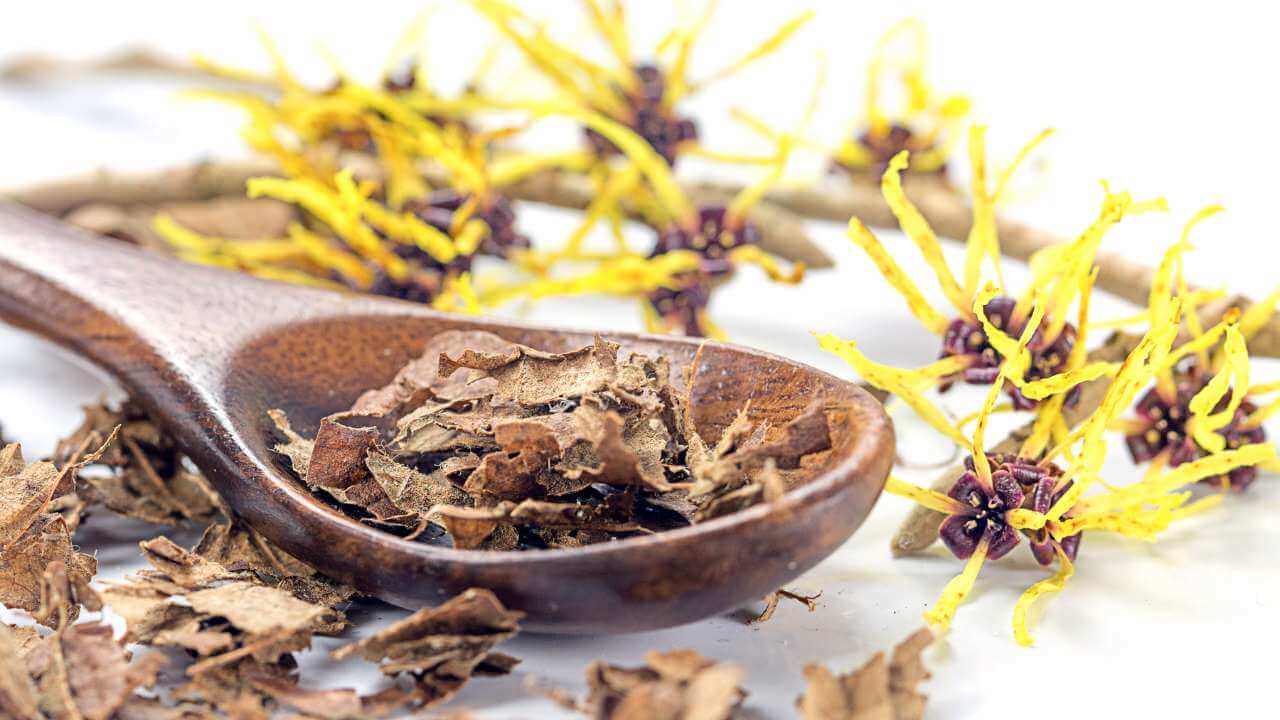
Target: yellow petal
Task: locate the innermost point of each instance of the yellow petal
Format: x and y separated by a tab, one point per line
1023	519
897	277
905	384
978	450
1078	257
611	24
683	40
514	167
1258	314
931	499
1161	484
1262	414
628	276
1062	382
1234	375
753	255
957	589
917	228
769	46
1050	585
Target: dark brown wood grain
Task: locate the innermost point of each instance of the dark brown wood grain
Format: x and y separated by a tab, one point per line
208	352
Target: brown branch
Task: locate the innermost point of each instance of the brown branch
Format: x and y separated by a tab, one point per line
782	233
36	67
190	183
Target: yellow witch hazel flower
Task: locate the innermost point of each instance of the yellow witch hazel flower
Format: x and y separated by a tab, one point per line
925	124
1202	400
356	241
641	95
1045	495
387	123
976	343
697	248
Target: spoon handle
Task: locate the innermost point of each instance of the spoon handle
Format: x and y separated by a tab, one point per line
132	311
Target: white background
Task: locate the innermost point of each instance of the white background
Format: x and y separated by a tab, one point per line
1159	99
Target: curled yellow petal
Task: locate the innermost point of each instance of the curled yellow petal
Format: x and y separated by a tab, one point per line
750	195
1135	373
611	25
931	499
633	146
1062	382
1161	484
458	295
917	228
1049	585
514	167
1077	257
983	242
750	254
1262	414
769	46
978	448
1198	344
906	384
1233	376
957	589
334	210
1024	519
1258	314
897	277
683	40
628	276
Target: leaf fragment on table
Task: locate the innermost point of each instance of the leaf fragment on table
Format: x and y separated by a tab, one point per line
78	671
143	475
24	561
674	684
440	648
881	688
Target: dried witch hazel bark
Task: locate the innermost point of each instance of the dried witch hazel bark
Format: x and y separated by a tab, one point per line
504	447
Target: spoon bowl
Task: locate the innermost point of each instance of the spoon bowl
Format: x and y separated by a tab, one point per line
208	352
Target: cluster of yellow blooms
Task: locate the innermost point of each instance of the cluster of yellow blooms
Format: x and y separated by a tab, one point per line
1194	425
401	191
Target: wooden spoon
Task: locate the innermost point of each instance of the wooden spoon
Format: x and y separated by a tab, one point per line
208	352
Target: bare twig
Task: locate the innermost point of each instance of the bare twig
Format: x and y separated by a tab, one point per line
37	67
190	183
782	233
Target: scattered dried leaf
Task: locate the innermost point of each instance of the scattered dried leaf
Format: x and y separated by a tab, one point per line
676	684
879	689
442	647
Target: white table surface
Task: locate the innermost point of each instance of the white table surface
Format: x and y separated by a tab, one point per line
1175	103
